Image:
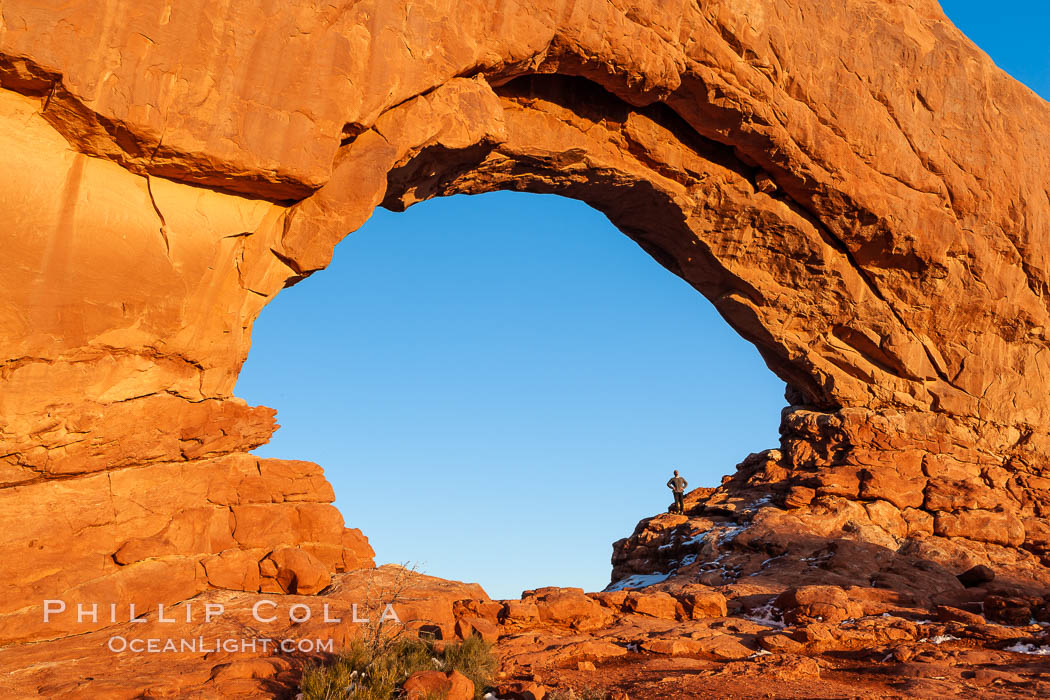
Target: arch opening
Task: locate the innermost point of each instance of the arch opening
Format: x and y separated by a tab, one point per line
498	386
720	214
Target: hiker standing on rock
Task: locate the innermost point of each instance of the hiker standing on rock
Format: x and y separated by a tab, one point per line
677	484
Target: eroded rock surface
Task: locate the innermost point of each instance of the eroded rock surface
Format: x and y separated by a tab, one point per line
224	643
667	641
856	187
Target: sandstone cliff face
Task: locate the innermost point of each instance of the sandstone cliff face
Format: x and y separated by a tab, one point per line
855	186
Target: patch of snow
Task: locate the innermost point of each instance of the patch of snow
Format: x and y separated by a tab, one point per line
687	560
763	564
752	507
697	538
939	639
714	563
766	616
1022	648
817	559
730	534
760	652
637	581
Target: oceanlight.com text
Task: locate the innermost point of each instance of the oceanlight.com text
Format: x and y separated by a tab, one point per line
205	645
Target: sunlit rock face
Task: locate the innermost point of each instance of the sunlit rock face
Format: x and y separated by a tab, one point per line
857	188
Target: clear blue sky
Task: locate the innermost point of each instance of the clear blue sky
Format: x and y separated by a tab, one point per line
499	386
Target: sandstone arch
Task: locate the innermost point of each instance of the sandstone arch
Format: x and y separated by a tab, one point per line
849	206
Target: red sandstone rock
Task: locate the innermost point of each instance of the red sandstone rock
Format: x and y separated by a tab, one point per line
569	606
817	603
976	576
297	571
1008	610
236	569
673	647
984	526
852	213
702	602
256	668
833	192
588	650
947	613
862	654
485	609
780	643
519	611
657	604
424	685
611	599
521	690
799	496
723	647
467	627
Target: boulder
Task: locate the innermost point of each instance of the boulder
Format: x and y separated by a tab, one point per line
298	571
1008	610
701	602
656	604
673	647
518	611
799	496
947	613
426	685
613	600
976	576
521	690
806	604
571	607
467	627
486	609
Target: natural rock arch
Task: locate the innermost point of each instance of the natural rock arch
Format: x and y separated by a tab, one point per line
848	207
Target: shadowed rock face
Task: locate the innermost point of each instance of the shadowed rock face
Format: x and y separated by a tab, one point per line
860	192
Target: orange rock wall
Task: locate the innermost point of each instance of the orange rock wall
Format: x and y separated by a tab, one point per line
855	186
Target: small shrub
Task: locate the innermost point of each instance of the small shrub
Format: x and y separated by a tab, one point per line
331	682
364	672
474	659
